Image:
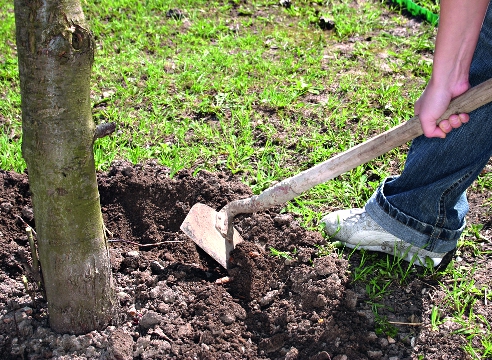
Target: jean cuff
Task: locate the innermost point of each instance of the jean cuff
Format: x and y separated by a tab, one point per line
408	228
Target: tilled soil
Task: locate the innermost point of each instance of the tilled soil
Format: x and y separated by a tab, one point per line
177	302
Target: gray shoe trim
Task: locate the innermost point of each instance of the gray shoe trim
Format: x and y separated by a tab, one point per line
357	230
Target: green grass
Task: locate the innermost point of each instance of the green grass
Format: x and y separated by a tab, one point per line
10	120
281	254
262	92
431	5
217	92
461	305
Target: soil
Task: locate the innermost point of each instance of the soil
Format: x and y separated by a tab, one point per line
177	302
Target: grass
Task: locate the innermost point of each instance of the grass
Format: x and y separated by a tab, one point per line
200	93
262	92
281	254
461	304
461	301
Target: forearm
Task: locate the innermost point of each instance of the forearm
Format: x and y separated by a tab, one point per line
459	28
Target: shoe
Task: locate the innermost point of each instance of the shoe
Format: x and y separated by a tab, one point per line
357	230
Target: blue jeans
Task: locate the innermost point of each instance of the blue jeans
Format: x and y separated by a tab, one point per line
426	205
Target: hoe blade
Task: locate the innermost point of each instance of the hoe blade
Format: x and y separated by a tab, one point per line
199	225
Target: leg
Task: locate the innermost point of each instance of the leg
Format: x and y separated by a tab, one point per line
426	206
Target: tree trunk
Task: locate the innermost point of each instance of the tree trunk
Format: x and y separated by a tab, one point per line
56	52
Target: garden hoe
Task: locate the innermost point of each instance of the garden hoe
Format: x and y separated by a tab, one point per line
214	231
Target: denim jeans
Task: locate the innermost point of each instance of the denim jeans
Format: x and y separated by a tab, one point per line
426	205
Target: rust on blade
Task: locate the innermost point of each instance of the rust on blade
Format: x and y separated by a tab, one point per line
199	225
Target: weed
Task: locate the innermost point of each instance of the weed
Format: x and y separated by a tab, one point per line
383	326
280	254
435	318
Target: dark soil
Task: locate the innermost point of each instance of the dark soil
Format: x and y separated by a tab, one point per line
176	302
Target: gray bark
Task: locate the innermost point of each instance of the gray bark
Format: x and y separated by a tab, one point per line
56	52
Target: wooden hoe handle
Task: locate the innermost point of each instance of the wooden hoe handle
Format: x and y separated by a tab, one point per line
290	188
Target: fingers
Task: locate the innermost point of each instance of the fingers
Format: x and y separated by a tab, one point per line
453	122
445	126
457	120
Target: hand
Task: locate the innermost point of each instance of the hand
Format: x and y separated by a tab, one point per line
432	104
453	122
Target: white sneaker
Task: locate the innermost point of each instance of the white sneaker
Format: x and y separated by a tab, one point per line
356	229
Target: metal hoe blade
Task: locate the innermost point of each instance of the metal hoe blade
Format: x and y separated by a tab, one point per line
199	225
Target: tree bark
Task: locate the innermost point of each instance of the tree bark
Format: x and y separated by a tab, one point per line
56	52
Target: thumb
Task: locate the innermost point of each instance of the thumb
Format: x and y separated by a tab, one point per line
431	129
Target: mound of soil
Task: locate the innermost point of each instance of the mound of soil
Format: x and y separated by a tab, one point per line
177	302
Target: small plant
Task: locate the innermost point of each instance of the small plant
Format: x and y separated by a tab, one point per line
473	241
462	293
383	326
473	230
327	249
280	254
435	318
